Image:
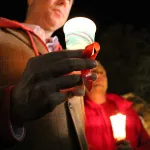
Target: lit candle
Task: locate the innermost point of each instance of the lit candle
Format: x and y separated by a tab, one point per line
118	123
79	32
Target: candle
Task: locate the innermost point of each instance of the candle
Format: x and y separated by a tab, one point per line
79	32
118	123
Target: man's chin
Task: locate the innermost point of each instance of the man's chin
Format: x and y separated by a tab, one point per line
53	25
99	87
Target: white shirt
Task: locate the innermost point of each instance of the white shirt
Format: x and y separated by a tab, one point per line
50	43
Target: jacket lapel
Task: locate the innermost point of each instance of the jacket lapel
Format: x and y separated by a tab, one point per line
76	108
25	38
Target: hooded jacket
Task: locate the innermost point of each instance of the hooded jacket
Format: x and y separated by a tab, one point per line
99	129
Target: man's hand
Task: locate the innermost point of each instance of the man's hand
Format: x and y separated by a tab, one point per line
38	91
124	145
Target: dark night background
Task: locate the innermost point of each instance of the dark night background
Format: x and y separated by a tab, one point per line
123	31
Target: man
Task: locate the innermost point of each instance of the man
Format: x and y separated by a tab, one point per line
99	106
30	97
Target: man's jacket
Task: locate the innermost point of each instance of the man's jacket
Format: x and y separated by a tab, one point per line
61	129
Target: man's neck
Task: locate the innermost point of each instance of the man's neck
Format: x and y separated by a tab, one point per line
34	21
97	97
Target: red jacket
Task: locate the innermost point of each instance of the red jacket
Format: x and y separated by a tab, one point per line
135	131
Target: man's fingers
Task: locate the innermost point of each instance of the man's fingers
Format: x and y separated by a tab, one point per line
56	56
60	83
65	82
51	101
45	62
66	66
57	98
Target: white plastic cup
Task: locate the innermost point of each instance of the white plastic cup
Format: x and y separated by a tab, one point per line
79	32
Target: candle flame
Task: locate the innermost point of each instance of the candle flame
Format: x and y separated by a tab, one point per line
118	123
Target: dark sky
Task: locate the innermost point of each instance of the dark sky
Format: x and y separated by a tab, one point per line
99	11
103	13
106	13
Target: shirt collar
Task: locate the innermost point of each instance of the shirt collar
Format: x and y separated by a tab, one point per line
41	33
51	43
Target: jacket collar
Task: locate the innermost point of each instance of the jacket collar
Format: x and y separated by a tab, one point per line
76	108
24	37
